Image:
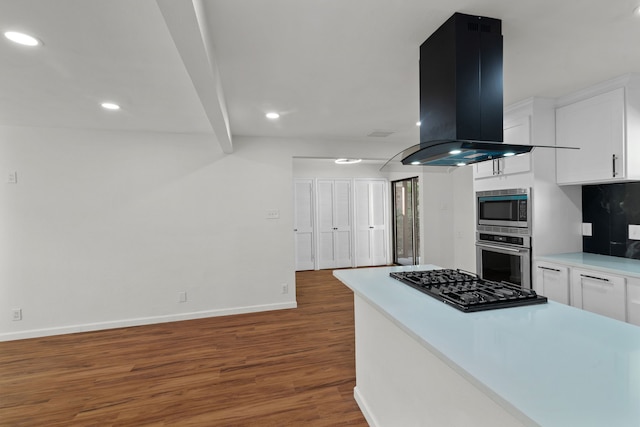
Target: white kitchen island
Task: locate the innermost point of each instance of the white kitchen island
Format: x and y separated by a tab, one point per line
420	362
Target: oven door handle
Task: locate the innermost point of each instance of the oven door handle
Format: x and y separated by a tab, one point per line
501	248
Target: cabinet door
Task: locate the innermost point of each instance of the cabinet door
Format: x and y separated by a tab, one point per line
371	227
552	281
596	126
303	224
599	293
633	301
517	131
486	169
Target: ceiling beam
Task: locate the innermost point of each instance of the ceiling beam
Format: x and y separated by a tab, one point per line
189	29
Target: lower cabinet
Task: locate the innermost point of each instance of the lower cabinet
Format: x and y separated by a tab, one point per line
598	292
552	281
613	295
633	300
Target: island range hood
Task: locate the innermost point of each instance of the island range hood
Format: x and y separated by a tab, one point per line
461	102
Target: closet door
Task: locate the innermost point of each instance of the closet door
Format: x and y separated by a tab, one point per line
334	223
303	224
371	222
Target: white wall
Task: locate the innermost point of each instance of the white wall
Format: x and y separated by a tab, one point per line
326	168
104	229
446	215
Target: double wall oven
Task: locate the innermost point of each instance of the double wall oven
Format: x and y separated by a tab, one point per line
503	236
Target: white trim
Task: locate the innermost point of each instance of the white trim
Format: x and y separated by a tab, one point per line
36	333
362	404
598	89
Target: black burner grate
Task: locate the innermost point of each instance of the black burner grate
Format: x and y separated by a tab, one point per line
466	291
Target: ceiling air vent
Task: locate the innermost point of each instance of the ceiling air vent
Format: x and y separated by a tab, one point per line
380	133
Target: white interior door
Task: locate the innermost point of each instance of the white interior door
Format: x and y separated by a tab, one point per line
334	223
303	224
326	255
379	219
371	222
342	223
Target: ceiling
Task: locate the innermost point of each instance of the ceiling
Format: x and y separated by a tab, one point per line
338	69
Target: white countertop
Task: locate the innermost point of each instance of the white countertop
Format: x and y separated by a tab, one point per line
611	264
556	365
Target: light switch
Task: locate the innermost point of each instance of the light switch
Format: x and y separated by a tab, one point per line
634	232
587	229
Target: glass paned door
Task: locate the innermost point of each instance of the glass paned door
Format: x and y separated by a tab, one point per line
406	231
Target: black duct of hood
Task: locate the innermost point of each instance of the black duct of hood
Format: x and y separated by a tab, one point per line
461	105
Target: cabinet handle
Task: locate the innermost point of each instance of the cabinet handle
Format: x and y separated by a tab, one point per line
295	229
594	277
613	164
370	227
549	268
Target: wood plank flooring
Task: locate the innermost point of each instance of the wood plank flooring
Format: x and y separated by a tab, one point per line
280	368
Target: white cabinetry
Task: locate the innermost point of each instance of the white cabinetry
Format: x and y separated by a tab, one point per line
633	300
599	293
334	223
552	281
556	211
517	130
371	229
604	122
303	215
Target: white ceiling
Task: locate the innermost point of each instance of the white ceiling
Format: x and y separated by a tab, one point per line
332	68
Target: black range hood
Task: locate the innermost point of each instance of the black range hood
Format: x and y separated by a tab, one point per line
461	102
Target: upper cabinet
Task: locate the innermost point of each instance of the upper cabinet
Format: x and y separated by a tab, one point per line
556	211
517	130
604	123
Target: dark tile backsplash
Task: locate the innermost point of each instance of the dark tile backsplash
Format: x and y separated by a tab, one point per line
610	208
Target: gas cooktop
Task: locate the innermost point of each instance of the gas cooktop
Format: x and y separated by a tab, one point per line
466	291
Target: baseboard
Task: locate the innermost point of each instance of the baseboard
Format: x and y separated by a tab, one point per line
125	323
362	404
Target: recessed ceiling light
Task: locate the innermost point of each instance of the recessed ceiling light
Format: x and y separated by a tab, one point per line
415	163
461	164
272	116
509	154
347	161
636	11
22	38
110	106
455	151
418	123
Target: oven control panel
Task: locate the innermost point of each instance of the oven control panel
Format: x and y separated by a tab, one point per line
498	238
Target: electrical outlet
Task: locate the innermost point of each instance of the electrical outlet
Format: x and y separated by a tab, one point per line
17	314
634	232
285	288
182	297
273	214
13	178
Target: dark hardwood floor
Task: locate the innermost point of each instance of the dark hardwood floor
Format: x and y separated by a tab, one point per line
280	368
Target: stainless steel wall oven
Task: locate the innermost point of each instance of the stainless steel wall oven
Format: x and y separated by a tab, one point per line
503	237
